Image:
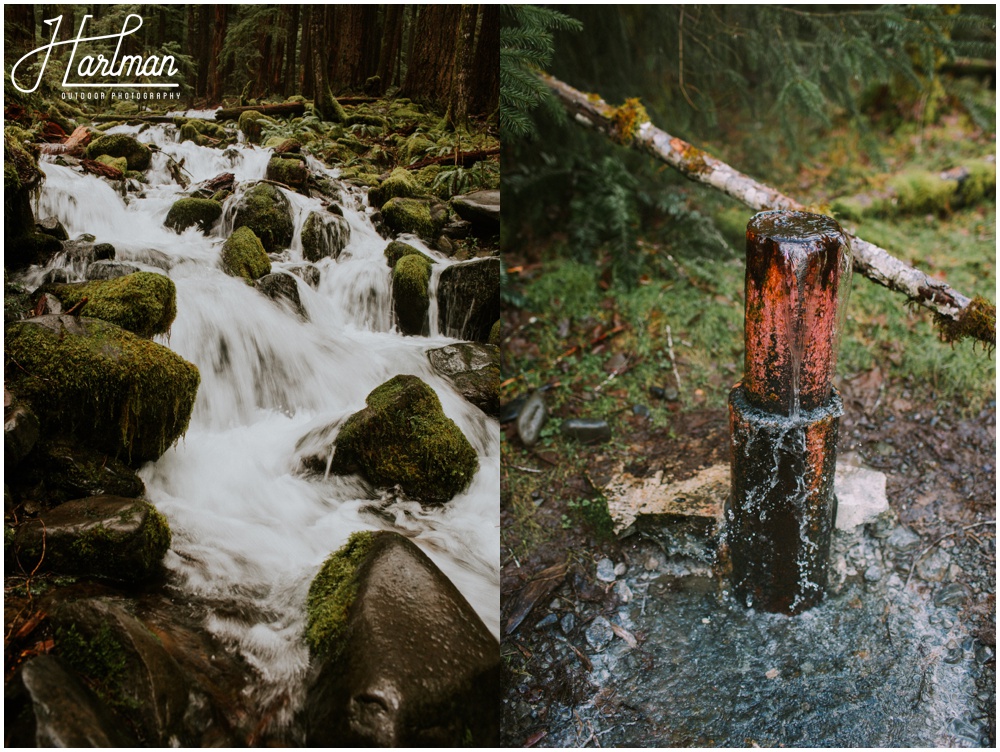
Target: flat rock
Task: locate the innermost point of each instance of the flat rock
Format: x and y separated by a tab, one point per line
860	493
474	369
480	208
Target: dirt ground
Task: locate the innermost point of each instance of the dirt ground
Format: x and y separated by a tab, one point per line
941	481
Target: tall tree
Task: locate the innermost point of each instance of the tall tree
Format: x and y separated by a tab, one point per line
458	105
216	73
431	68
392	45
346	53
485	88
289	83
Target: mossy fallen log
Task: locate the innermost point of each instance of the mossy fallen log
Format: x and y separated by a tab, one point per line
285	108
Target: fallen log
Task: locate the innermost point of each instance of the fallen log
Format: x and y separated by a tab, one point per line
168	119
956	315
73	144
285	108
464	158
104	170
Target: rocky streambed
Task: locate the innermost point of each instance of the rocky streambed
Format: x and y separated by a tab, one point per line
251	445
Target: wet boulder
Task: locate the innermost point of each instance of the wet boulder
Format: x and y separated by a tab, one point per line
23	243
290	170
397	249
411	293
136	154
399	184
100	536
399	656
130	669
481	209
48	706
324	235
251	125
469	299
244	256
265	210
20	433
52	226
108	269
71	470
414	215
282	289
84	377
474	369
143	302
403	438
306	272
191	212
119	163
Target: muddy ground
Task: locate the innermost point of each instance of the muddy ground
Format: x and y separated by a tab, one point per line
941	481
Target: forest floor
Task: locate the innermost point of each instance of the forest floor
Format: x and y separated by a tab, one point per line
657	364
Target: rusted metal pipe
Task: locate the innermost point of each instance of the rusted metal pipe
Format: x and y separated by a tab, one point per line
784	416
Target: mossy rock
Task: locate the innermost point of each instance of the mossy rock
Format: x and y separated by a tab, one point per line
365	119
920	191
188	212
190	133
415	147
495	333
251	124
403	438
21	179
244	256
100	536
412	215
144	302
399	183
469	299
265	210
206	128
410	293
69	469
87	378
119	163
978	183
397	249
332	592
324	235
474	369
17	303
137	155
290	171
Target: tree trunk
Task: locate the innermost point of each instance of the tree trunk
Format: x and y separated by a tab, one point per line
484	95
346	55
458	105
215	73
285	108
204	48
19	25
871	261
289	83
431	70
392	39
308	86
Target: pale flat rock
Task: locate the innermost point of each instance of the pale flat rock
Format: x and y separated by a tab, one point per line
860	493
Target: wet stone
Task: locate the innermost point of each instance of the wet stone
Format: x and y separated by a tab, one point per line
108	269
641	411
621	568
548	621
657	392
586	430
953	594
599	634
623	591
903	540
934	566
984	654
606	570
873	574
567	623
531	419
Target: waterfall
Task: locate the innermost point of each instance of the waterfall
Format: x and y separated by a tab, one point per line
249	531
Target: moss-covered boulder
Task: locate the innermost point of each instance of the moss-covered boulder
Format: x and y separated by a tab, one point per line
469	299
400	658
190	133
474	369
100	536
87	378
119	163
266	211
411	278
403	438
324	235
481	209
61	469
283	290
137	155
144	302
243	255
288	170
188	212
495	333
413	215
251	125
399	183
20	432
397	249
23	244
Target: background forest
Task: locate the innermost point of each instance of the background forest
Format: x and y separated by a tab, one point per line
444	55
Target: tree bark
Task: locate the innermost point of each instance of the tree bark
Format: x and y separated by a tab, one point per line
485	91
291	38
431	69
346	55
215	72
464	158
392	42
458	104
871	261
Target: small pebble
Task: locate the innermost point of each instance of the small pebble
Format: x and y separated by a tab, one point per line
657	392
623	591
548	621
952	594
567	623
606	570
531	419
586	430
772	673
984	654
651	564
599	634
873	574
641	410
621	568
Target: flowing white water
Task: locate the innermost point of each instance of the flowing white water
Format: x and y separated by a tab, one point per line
249	531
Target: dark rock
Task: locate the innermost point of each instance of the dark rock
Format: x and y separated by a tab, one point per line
17	302
47	706
407	662
474	369
512	409
953	594
307	272
52	226
125	395
657	392
282	289
469	299
110	270
324	236
290	171
70	470
129	667
457	229
397	249
403	438
567	623
266	211
599	633
191	212
56	276
481	208
101	536
531	419
586	430
20	432
104	252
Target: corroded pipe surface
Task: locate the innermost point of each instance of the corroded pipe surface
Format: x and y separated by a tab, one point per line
796	265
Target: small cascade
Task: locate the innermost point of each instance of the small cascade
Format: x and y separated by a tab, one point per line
249	530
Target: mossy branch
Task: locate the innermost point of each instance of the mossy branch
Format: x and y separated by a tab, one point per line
956	315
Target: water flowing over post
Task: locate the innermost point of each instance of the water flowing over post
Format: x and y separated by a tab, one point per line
784	416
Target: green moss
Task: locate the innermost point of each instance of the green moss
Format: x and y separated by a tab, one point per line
21	177
920	191
410	292
206	128
399	183
979	184
88	378
119	163
190	133
16	302
403	438
495	334
251	125
187	212
120	555
332	593
243	255
265	210
362	119
977	320
137	155
100	660
290	171
142	302
397	249
410	215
